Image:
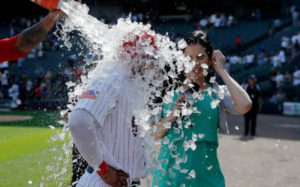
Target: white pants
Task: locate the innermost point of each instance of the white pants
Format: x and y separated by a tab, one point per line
91	180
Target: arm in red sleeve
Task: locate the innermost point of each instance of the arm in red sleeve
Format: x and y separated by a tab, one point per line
9	51
19	46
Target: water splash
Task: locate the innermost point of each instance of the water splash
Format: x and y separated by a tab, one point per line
106	57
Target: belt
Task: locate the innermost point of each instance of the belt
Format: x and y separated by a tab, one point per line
90	170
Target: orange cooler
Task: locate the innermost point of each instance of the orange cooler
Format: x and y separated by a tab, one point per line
48	4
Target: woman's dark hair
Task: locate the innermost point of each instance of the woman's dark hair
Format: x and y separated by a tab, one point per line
198	37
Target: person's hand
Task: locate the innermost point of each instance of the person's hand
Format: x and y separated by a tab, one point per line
66	117
115	178
218	61
178	104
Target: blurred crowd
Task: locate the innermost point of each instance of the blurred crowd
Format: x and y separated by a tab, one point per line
27	79
216	20
283	79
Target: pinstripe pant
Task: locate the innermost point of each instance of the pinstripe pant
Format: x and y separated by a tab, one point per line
91	180
94	180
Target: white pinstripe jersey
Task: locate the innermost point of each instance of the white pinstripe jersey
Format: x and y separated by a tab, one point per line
113	110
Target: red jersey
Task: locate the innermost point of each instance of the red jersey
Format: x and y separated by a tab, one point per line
8	50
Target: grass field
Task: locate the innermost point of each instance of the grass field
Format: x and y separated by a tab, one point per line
26	149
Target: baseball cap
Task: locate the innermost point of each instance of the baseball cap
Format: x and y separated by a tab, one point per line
133	46
252	77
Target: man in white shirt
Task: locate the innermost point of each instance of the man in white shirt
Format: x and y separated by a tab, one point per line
296	77
279	79
105	132
13	93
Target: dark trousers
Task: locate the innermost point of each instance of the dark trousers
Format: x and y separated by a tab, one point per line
78	166
250	116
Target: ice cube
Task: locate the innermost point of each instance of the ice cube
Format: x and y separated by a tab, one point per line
192	174
165	141
201	135
214	103
212	80
204	66
182	44
186	111
167	125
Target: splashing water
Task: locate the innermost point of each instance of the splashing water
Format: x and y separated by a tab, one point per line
106	56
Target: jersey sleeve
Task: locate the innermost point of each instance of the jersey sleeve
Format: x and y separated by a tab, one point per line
8	50
99	100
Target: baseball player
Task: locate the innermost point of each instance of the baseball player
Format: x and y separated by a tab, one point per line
103	128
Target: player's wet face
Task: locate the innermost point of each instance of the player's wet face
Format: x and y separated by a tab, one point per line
198	54
145	63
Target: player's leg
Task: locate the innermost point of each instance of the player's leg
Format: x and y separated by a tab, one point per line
78	165
253	123
247	119
91	179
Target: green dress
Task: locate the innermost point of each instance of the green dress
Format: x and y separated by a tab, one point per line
182	166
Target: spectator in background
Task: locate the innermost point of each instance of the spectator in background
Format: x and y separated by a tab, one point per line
13	93
235	59
249	58
217	22
22	90
271	28
261	59
281	56
238	44
223	20
197	14
4	79
296	43
254	92
287	83
275	60
262	48
203	23
279	97
296	77
277	23
256	14
288	77
230	20
29	87
285	43
68	72
41	91
212	19
279	79
40	54
48	78
295	15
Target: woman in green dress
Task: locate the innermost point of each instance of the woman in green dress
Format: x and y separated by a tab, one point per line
190	125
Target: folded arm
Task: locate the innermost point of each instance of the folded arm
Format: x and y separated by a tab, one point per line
83	130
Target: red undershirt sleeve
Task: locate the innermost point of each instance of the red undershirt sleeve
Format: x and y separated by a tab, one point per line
8	50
